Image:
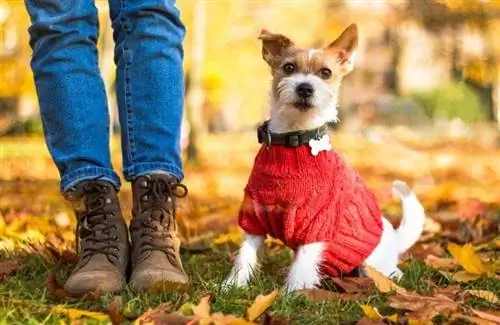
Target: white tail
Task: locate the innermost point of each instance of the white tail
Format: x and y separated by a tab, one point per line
412	223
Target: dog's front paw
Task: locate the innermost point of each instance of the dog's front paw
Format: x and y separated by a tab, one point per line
292	286
234	280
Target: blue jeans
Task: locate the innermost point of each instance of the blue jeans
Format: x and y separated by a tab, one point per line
148	38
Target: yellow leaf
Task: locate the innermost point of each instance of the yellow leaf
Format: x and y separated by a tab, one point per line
371	312
383	283
78	313
203	308
260	305
464	276
484	294
467	258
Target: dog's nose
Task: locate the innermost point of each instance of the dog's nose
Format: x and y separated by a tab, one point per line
305	90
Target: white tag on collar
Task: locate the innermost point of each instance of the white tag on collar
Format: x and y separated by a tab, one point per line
321	144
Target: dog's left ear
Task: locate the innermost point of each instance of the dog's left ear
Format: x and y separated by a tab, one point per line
344	46
274	46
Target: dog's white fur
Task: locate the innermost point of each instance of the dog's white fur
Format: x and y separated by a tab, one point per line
304	273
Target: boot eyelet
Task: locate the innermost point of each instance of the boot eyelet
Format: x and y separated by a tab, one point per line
108	200
145	198
144	184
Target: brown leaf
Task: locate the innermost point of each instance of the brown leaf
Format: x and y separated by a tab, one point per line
260	305
69	257
58	290
267	319
424	308
473	320
7	268
450	291
157	316
440	263
114	311
383	283
492	316
355	285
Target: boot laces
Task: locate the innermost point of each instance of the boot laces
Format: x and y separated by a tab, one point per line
94	226
159	204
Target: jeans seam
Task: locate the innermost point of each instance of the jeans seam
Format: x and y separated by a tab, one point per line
141	168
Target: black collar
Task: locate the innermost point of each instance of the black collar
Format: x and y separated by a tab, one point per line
289	139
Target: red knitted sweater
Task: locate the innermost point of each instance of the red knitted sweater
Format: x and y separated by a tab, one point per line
300	199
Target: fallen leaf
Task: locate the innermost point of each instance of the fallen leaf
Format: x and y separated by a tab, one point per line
440	263
472	319
383	283
260	305
57	290
450	291
492	316
483	294
203	308
355	285
464	276
267	319
424	308
467	258
7	268
371	312
114	311
78	313
157	316
367	321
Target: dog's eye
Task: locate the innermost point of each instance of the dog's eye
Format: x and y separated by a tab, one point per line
289	68
325	73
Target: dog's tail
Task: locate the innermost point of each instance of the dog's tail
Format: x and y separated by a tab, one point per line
412	223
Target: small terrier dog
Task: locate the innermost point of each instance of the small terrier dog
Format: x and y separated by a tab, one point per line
301	191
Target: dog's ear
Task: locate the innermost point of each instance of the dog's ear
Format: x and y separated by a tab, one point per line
344	47
273	46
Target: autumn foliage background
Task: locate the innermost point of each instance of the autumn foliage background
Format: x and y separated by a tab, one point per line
423	105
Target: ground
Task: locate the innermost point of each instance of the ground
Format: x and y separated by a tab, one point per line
444	280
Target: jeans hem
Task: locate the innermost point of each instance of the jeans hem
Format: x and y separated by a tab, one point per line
136	170
71	179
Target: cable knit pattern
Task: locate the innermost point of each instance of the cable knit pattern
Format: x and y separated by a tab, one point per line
301	199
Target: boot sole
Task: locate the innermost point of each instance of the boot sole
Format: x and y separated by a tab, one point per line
164	286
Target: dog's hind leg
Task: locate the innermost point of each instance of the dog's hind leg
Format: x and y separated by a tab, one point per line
246	262
304	273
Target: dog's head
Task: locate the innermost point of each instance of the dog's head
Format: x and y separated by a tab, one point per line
306	81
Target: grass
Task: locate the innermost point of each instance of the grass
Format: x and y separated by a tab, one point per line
29	193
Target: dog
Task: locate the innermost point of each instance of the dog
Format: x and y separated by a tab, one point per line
301	191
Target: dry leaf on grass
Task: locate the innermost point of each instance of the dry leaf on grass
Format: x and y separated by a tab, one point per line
440	263
7	268
114	311
483	294
464	276
373	314
383	283
260	305
473	320
157	316
467	258
78	313
367	321
424	308
354	284
491	316
203	308
57	290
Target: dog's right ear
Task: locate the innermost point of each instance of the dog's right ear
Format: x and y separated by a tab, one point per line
273	46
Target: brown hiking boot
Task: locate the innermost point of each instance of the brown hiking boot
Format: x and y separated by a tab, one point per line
102	239
156	262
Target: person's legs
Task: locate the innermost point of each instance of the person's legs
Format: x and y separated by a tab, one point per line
70	90
74	113
148	36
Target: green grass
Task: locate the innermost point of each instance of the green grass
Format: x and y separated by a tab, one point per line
24	298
